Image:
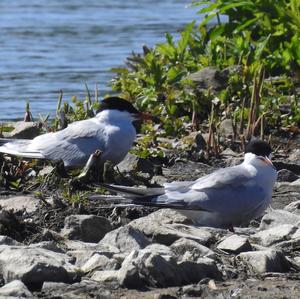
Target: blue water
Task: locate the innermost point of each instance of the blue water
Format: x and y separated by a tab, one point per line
47	46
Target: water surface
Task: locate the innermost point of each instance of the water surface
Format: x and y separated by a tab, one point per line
46	46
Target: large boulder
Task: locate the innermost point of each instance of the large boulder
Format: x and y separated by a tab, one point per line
161	228
87	228
276	217
15	289
235	244
157	266
21	202
263	261
24	130
275	234
183	245
33	266
125	239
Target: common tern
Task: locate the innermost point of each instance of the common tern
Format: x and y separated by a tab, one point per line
111	131
228	197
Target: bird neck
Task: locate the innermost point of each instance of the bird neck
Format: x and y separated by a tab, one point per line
114	116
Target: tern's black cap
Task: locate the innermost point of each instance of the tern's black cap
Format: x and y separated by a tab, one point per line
117	103
258	147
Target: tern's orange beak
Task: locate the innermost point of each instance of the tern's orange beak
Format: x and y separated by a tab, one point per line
267	161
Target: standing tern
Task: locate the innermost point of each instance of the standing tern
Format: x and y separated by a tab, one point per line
111	131
228	197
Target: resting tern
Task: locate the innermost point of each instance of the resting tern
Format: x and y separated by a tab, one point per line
228	197
111	131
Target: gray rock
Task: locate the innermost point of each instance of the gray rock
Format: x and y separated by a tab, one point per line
157	266
20	202
49	245
195	270
100	262
194	138
264	261
16	289
74	245
226	127
211	78
289	246
285	164
46	170
133	163
295	183
5	240
125	239
106	276
285	175
161	229
293	207
88	228
295	155
296	235
229	153
34	265
192	291
86	288
82	251
148	268
277	217
50	285
297	261
275	234
235	244
24	130
81	256
183	245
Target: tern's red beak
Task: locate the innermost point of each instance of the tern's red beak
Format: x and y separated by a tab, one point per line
268	162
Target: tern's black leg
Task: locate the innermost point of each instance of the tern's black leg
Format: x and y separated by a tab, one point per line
59	168
108	175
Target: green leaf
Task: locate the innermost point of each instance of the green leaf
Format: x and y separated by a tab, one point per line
261	47
166	50
185	35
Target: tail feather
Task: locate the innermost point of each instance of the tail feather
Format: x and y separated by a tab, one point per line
134	191
143	197
5	140
17	147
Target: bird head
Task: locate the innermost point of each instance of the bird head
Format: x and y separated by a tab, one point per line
117	103
259	153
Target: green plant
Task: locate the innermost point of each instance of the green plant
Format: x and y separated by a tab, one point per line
266	30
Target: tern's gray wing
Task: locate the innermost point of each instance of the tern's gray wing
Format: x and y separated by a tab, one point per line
228	190
73	145
234	176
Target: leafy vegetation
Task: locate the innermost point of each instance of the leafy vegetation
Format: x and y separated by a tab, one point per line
253	46
261	37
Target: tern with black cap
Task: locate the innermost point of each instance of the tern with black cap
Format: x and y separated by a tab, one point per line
111	131
228	197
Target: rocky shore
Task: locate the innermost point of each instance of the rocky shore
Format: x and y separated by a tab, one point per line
56	249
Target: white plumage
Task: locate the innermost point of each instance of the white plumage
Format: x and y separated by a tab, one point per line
110	131
227	197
